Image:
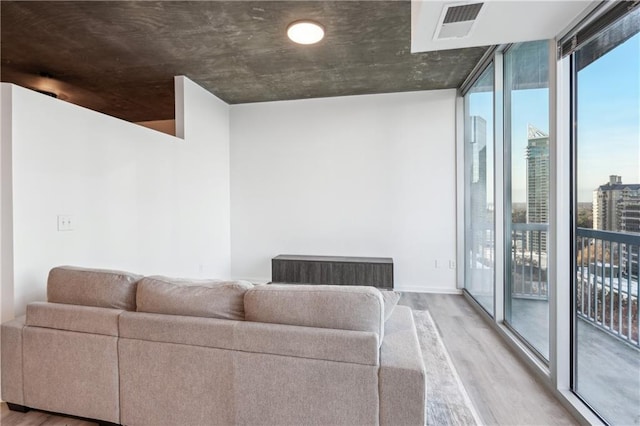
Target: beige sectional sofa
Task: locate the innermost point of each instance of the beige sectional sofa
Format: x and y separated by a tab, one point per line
134	350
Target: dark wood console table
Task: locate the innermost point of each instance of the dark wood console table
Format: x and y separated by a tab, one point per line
337	270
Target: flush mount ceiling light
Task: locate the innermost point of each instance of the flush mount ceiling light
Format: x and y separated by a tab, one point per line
305	32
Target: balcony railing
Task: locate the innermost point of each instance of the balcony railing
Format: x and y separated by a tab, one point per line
529	261
607	275
607	281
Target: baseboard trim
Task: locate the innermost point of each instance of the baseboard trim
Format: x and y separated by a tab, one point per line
434	290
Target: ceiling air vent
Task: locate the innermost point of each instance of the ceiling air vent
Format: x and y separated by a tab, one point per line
457	20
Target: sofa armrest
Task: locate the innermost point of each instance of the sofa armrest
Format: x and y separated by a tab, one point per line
402	376
12	385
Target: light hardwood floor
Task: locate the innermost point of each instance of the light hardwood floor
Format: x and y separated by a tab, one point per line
502	389
500	386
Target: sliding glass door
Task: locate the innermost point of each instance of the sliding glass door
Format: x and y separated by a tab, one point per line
606	81
524	187
527	179
479	198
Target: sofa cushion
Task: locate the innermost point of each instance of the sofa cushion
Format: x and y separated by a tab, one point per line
198	298
358	308
92	287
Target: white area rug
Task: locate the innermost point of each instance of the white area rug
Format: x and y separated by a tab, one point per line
447	400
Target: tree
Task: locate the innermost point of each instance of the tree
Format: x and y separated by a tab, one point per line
585	218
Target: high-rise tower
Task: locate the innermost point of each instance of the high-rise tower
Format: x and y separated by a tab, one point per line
537	185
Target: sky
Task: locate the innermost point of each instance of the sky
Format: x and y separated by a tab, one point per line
608	120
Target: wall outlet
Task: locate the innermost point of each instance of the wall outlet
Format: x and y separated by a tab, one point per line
452	264
65	222
436	264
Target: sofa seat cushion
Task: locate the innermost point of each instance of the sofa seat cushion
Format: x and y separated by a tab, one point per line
92	287
199	298
82	319
357	308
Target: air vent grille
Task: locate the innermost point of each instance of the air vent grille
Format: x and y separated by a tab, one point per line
466	12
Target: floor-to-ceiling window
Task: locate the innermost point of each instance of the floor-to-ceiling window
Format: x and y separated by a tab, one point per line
527	180
570	221
606	81
479	198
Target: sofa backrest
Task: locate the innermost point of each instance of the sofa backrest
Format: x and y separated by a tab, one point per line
92	287
199	298
357	308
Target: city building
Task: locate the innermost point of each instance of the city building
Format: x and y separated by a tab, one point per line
629	210
537	185
616	206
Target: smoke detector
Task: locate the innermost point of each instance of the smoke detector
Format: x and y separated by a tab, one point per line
457	20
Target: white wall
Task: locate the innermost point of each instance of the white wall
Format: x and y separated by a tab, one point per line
363	175
366	175
140	200
6	213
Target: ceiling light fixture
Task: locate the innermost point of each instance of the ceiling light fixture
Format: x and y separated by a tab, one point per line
305	32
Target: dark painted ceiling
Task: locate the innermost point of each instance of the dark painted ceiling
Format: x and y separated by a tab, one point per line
119	57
